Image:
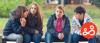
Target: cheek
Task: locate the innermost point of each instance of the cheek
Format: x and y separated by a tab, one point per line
31	11
25	15
61	14
77	16
35	11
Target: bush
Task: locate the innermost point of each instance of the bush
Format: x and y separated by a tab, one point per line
7	5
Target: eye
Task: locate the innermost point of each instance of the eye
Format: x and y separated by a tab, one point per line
32	8
60	12
35	8
57	11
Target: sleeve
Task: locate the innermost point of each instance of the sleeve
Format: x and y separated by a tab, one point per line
17	28
66	27
74	30
89	19
50	27
29	30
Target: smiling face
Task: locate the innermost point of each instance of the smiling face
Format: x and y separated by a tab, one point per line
33	9
59	13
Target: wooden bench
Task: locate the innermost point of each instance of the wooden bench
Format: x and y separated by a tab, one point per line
2	40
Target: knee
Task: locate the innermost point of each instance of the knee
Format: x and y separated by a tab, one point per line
70	35
27	36
19	36
37	36
48	35
74	36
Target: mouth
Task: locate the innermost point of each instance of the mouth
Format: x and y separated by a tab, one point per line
58	16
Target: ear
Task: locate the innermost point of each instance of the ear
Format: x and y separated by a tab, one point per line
82	14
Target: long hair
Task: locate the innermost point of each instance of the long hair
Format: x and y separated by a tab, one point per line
20	9
38	13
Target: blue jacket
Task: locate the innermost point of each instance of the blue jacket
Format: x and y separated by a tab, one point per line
12	26
51	25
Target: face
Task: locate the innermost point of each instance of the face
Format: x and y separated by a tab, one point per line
59	13
33	9
77	15
24	15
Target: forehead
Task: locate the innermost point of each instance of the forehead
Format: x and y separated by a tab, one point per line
34	6
57	9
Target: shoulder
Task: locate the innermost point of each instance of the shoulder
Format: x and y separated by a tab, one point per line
52	16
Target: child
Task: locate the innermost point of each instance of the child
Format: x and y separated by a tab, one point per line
16	24
33	29
58	26
78	20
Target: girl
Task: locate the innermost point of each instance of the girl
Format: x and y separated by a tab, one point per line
34	25
16	24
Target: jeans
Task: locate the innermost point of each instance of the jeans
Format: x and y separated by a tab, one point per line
49	38
36	38
13	36
76	38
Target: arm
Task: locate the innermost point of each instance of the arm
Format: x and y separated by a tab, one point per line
29	30
74	23
66	27
17	28
50	26
40	30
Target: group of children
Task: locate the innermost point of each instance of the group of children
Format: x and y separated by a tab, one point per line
25	25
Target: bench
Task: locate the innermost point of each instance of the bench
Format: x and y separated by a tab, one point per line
2	40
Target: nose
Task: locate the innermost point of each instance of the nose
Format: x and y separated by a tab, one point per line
58	13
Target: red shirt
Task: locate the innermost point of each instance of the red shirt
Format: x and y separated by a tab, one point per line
59	25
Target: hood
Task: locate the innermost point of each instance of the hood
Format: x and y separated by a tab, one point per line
13	15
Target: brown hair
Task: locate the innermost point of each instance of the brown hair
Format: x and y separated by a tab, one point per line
20	10
61	7
38	13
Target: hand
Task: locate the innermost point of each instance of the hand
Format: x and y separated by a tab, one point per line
59	36
62	36
22	33
76	27
36	32
23	21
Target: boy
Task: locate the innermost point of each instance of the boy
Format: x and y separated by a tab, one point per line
58	26
78	20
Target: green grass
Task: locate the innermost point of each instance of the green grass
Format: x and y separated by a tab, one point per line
97	23
3	22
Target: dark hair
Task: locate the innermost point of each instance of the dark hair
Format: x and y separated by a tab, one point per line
80	10
38	13
20	10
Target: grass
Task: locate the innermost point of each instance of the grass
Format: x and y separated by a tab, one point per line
3	22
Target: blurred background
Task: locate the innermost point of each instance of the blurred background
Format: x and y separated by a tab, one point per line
48	7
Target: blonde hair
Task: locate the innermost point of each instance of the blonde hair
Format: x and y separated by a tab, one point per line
61	7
